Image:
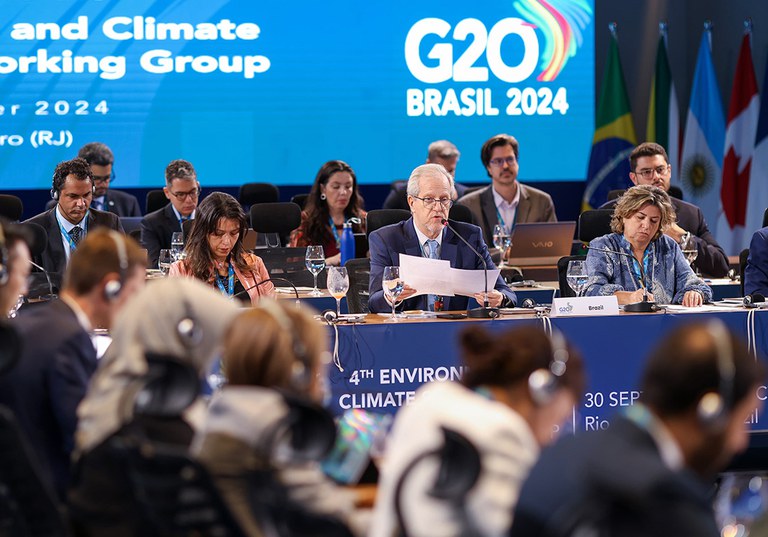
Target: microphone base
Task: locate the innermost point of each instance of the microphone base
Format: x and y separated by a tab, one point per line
483	313
642	307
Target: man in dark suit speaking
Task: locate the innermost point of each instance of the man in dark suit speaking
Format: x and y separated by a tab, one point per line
158	227
424	234
70	220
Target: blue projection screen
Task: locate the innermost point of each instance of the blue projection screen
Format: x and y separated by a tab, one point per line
251	91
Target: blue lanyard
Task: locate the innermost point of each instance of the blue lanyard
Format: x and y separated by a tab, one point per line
72	245
504	224
230	291
335	232
636	265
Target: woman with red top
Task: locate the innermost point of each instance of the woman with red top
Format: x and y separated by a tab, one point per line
215	253
333	200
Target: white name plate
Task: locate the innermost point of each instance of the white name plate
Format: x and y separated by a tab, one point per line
586	305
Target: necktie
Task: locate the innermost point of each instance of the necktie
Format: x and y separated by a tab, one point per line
76	233
432	245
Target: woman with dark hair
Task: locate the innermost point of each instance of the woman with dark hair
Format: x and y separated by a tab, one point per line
215	253
517	390
333	200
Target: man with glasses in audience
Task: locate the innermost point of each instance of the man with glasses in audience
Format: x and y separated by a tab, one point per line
506	201
650	166
183	190
101	160
424	234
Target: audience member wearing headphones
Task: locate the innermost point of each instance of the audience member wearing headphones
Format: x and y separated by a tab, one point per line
268	350
70	220
517	389
172	320
58	357
652	471
14	264
215	253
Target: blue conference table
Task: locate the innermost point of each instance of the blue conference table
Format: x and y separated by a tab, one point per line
385	363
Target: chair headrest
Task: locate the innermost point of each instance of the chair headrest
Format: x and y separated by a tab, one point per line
310	427
169	388
11	207
459	467
278	217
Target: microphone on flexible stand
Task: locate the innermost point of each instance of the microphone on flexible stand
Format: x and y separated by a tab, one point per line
638	307
486	311
289	282
50	296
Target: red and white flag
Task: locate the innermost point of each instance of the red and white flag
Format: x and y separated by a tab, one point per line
743	112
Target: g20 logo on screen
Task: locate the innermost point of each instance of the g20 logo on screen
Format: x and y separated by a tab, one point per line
548	35
483	42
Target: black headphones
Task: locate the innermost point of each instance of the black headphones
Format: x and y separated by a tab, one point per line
543	383
113	287
301	370
712	408
4	258
751	301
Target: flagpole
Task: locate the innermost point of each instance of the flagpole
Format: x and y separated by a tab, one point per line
708	25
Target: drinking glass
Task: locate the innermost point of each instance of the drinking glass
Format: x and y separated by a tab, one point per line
164	261
315	262
501	241
338	285
690	256
177	245
577	276
393	285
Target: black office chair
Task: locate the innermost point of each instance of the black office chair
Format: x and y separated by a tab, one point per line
277	217
156	200
595	223
383	217
461	213
11	207
743	256
765	218
614	194
674	191
562	273
28	505
251	193
300	199
359	271
130	223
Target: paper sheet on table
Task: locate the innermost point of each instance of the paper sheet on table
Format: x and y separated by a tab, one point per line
436	277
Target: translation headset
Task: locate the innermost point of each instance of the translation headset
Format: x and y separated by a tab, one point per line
712	408
190	334
4	259
301	370
752	301
543	382
113	287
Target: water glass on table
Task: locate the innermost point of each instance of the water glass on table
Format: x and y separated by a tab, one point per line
501	241
177	245
338	285
577	276
314	259
393	286
164	261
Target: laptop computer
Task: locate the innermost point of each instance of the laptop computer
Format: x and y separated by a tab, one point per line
540	243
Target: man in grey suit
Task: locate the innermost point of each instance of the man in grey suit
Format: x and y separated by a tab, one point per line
506	201
650	166
183	190
70	220
101	159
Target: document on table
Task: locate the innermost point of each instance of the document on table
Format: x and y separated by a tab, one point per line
436	277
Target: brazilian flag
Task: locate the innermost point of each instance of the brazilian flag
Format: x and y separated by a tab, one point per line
614	136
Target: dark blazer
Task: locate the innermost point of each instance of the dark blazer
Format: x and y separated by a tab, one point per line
157	229
121	203
711	259
48	383
756	270
535	206
53	258
385	245
616	479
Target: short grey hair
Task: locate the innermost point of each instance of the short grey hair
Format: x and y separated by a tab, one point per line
442	149
432	170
